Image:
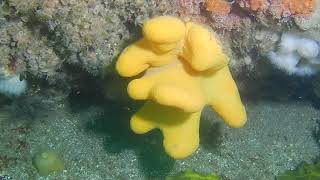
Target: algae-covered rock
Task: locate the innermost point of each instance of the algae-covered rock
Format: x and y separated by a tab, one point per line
86	34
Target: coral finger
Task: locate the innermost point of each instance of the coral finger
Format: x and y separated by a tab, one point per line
202	50
139	89
179	97
134	59
182	140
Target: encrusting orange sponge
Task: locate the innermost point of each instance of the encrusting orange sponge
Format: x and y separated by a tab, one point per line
184	69
302	7
221	7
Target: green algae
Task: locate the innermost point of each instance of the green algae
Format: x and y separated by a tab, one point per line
303	172
192	175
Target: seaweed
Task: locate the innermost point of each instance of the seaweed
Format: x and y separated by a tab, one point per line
304	172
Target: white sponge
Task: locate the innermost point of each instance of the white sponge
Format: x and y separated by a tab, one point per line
292	51
285	62
12	86
289	43
308	48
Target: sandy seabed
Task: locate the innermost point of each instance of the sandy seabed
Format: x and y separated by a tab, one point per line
96	143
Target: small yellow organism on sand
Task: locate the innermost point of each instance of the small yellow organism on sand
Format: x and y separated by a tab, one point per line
184	69
48	162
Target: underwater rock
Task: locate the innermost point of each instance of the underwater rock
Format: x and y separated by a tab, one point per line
26	53
42	37
47	39
266	40
316	85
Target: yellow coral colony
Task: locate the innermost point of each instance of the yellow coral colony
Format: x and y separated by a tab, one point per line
184	69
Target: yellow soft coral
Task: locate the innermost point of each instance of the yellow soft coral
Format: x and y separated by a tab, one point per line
184	69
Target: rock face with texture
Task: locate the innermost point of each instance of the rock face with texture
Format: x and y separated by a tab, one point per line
49	40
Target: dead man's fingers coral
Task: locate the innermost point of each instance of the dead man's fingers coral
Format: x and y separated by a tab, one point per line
184	70
169	86
223	97
138	57
202	50
180	129
164	33
160	45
